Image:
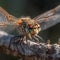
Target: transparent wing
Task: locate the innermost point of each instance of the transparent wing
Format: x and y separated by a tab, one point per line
49	18
5	24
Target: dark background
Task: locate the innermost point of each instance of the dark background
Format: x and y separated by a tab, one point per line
32	8
28	7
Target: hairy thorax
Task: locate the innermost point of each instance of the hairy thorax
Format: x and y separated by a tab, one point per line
29	27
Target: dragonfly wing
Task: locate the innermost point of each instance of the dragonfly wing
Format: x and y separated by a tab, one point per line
49	18
53	20
5	24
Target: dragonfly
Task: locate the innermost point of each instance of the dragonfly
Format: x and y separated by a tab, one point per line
26	26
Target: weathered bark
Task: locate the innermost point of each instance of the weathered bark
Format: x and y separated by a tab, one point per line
13	45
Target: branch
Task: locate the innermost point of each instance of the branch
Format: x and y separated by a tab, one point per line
13	45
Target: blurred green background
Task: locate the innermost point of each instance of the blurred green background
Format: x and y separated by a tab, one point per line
32	8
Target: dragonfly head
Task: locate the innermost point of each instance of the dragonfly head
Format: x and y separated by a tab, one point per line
34	27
